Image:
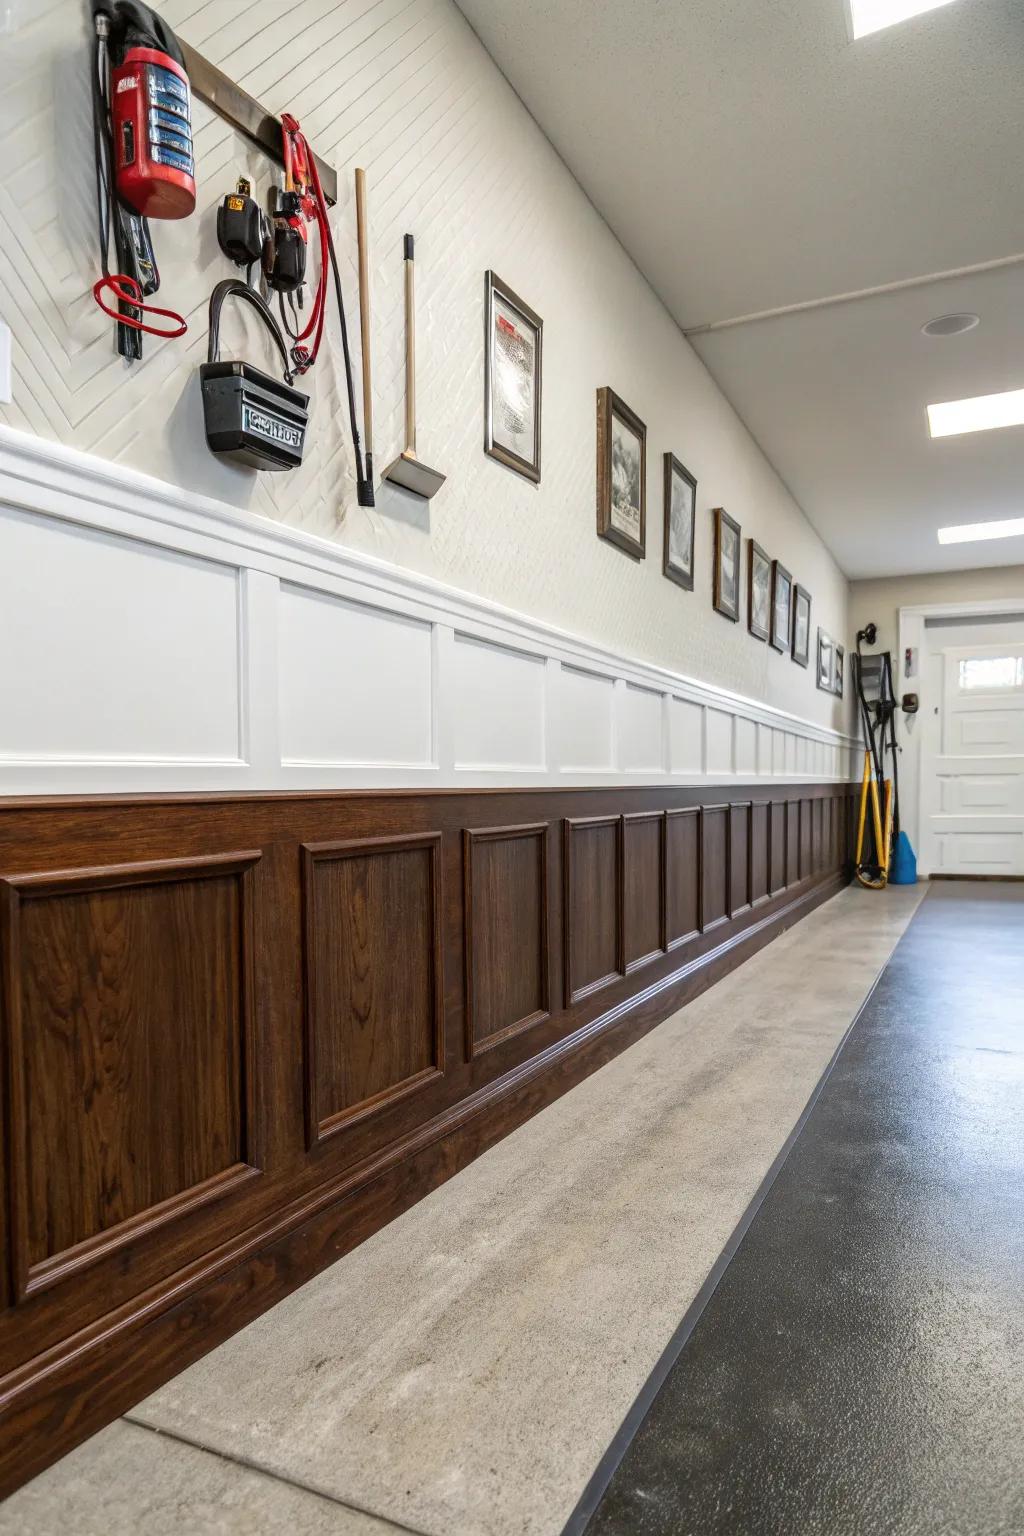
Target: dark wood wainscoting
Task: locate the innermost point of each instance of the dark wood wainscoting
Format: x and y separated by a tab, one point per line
239	1034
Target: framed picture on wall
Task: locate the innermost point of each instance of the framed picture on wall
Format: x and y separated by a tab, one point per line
839	654
759	590
621	475
782	607
726	572
825	661
801	625
680	512
512	379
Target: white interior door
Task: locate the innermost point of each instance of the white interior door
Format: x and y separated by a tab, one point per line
972	759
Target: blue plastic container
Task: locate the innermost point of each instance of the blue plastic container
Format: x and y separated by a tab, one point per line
903	869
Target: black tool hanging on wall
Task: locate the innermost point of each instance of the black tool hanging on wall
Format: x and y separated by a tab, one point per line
145	167
251	417
284	248
242	228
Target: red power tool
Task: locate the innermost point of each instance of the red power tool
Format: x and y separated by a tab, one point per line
144	160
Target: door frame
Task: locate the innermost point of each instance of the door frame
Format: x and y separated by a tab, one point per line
911	634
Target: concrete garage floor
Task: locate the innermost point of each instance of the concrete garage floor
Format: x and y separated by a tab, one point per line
860	1369
463	1372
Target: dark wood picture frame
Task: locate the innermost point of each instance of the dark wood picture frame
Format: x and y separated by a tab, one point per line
611	408
722	605
779	575
676	573
529	468
823	670
801	594
756	555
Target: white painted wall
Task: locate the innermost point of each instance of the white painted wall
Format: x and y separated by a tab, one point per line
404	88
880	601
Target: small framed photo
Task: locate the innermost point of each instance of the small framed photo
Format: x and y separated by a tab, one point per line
759	591
825	661
726	574
782	607
512	379
801	625
621	475
680	511
840	668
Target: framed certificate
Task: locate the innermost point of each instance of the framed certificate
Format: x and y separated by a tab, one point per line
512	379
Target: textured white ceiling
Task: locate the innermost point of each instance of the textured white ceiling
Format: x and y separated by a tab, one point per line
839	394
748	155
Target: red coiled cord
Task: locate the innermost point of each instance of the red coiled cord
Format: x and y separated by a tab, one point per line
127	291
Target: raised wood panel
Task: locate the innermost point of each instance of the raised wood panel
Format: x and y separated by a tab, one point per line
817	834
374	976
393	935
792	842
682	875
777	878
506	932
643	860
593	904
715	866
739	858
760	852
129	1054
806	817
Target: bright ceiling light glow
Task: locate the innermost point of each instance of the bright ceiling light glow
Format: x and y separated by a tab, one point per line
867	16
967	533
983	413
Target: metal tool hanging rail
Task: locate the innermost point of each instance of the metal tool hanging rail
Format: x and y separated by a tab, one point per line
245	113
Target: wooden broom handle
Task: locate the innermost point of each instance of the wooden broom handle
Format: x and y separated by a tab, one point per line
364	307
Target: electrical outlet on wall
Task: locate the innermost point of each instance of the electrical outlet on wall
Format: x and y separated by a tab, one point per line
5	364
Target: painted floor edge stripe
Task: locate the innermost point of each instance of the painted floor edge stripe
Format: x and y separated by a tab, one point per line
628	1429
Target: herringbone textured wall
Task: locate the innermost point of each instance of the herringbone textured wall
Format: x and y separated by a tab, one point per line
404	88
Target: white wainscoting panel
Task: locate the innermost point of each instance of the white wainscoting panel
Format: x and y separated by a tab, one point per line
154	640
778	753
745	748
640	728
114	650
498	712
686	737
719	729
355	683
584	721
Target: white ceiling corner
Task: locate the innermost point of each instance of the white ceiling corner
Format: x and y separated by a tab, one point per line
751	157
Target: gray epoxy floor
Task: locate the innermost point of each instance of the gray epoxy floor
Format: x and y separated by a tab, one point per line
463	1372
860	1368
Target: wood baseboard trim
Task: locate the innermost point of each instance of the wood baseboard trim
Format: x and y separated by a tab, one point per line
61	1398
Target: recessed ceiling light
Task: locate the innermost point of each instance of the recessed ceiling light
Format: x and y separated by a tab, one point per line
867	16
967	533
950	325
981	414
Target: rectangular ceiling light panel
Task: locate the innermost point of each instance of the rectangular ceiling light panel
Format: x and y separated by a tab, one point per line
867	16
983	413
968	533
